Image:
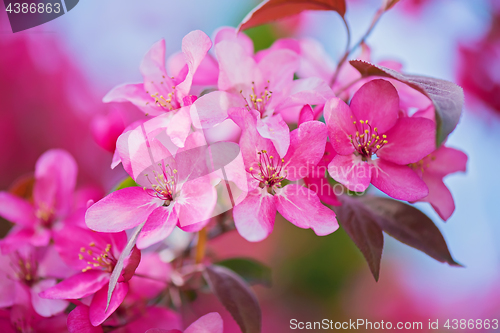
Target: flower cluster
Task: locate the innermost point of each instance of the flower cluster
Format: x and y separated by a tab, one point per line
229	135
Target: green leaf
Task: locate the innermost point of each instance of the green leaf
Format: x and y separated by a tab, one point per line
252	271
127	182
447	97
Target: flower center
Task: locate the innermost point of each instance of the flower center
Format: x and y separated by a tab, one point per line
270	171
423	163
164	184
25	269
167	103
97	257
258	101
367	140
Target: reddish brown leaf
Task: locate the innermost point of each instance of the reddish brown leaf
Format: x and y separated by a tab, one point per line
361	226
236	296
272	10
388	4
410	226
447	97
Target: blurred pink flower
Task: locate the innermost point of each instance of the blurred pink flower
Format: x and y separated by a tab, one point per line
55	178
374	145
209	323
254	216
24	274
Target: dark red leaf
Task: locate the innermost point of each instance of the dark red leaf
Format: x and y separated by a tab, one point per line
410	226
361	226
272	10
236	296
447	97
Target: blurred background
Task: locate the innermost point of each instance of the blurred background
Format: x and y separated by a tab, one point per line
53	77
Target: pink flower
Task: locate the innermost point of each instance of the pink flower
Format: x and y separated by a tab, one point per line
174	189
374	145
254	216
161	94
96	255
209	323
263	83
135	317
55	178
432	169
26	272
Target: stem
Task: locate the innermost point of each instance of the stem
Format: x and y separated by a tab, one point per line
375	20
346	53
200	246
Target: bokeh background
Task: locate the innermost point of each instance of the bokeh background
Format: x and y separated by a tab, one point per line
53	77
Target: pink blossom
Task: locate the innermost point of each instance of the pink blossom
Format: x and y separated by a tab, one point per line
55	178
374	145
209	323
432	169
262	83
96	255
161	94
173	189
136	319
254	216
26	272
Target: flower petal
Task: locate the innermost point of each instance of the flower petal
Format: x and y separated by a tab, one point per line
302	207
97	310
439	196
78	286
179	127
153	70
278	68
230	34
307	146
121	210
254	216
16	210
409	140
195	46
55	174
312	91
211	109
351	172
135	94
79	321
209	323
158	226
196	201
323	190
446	160
46	307
237	69
275	129
340	122
398	181
378	102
